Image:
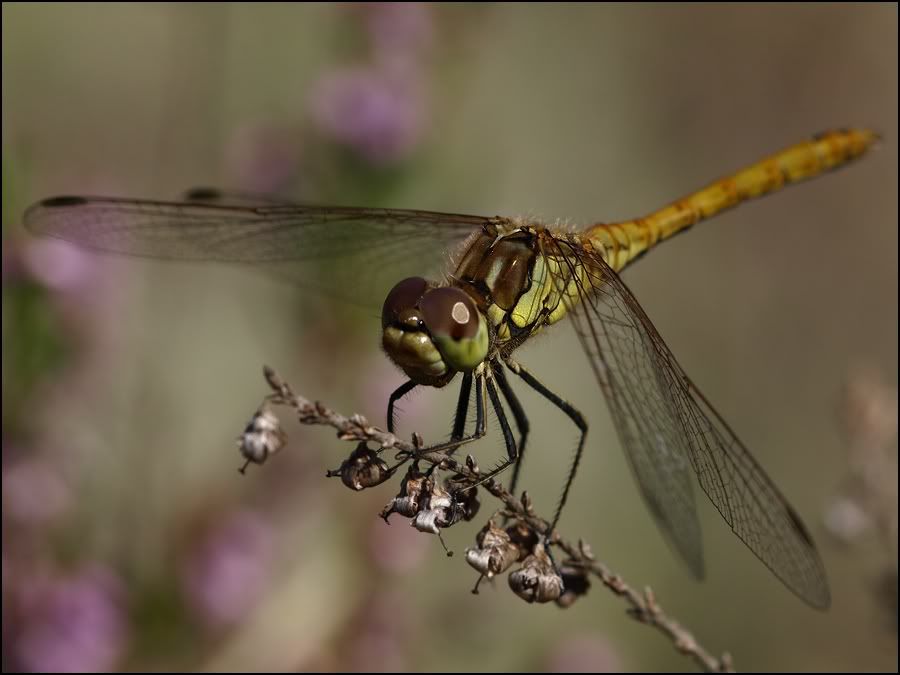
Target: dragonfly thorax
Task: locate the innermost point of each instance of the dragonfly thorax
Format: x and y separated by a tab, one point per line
432	332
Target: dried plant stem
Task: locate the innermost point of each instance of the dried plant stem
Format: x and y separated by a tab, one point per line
641	606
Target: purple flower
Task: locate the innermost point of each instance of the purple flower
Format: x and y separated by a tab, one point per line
397	547
57	264
378	116
584	654
402	30
380	635
227	572
34	492
72	624
264	158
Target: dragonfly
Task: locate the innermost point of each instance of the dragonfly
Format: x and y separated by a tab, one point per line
509	279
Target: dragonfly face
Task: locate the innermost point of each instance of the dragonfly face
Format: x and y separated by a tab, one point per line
432	332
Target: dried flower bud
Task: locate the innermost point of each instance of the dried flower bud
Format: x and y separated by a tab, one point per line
435	509
407	502
468	503
465	497
441	509
523	536
575	583
527	504
363	469
428	520
472	464
359	420
495	552
263	436
536	580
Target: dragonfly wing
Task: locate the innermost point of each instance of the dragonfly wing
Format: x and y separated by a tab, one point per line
646	421
666	424
342	251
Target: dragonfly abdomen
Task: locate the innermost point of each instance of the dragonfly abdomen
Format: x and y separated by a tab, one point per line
625	241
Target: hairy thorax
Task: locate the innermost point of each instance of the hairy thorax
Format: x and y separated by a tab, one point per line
522	278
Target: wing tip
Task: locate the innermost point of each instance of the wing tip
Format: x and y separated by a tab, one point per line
31	218
821	603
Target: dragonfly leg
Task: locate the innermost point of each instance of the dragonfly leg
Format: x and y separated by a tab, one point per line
508	438
399	393
462	408
572	413
458	426
521	421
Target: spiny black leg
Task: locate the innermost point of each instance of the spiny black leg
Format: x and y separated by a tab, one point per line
521	420
399	393
480	406
454	443
508	438
573	415
462	408
504	425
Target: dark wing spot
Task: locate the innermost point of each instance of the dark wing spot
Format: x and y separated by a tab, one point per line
203	194
54	202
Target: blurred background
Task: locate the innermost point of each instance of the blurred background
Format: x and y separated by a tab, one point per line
129	539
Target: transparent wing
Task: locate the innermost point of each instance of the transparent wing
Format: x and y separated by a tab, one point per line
667	425
354	253
620	353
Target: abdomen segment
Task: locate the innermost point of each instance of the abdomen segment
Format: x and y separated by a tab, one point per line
625	241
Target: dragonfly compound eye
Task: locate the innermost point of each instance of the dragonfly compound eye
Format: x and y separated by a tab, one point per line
456	327
405	339
403	298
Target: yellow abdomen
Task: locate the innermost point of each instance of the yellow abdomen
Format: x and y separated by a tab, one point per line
623	242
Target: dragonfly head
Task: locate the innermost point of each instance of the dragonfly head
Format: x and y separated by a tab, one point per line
432	331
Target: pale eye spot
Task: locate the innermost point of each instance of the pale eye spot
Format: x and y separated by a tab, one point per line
460	313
